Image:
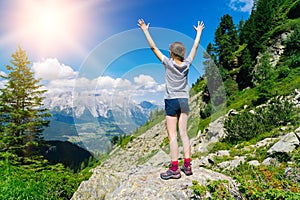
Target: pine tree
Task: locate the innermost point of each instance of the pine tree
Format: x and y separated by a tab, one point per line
226	42
22	115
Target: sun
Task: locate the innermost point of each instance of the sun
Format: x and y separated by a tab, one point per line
50	23
49	26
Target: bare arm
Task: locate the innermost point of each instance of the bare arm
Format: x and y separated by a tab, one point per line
199	29
152	45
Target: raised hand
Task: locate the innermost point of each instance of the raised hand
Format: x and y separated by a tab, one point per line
200	26
199	29
142	24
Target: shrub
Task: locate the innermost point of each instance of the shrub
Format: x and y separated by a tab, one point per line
265	182
219	189
294	11
264	70
246	125
264	92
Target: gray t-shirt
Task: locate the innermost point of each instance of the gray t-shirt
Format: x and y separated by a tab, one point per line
176	78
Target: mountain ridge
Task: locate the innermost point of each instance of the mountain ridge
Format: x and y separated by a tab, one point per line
80	118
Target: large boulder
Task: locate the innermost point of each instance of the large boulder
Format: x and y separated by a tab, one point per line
285	145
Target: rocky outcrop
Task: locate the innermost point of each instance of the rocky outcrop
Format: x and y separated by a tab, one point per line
273	53
286	144
277	49
212	134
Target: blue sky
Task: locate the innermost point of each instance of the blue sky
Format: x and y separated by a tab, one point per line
68	40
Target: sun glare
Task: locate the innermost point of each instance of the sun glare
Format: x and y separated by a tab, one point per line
49	22
49	26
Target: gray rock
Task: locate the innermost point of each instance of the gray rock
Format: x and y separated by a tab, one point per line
159	159
223	153
229	165
205	161
254	163
286	144
297	131
270	161
213	134
144	182
252	112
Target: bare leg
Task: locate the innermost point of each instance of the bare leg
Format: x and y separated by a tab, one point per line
182	124
172	134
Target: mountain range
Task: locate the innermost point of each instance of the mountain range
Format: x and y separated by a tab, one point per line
90	119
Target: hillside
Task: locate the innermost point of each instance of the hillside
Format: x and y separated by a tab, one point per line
244	125
133	172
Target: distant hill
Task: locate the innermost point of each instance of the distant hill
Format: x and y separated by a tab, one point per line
65	152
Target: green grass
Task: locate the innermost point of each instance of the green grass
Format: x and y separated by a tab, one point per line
289	84
18	182
142	129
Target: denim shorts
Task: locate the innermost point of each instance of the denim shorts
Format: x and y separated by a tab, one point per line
176	106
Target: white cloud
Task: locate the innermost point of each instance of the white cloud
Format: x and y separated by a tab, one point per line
161	88
51	69
102	84
59	78
145	80
106	82
241	5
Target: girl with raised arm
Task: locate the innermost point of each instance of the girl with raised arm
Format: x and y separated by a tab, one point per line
176	97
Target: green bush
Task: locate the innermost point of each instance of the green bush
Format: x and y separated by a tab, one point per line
264	69
246	125
218	189
264	91
265	182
